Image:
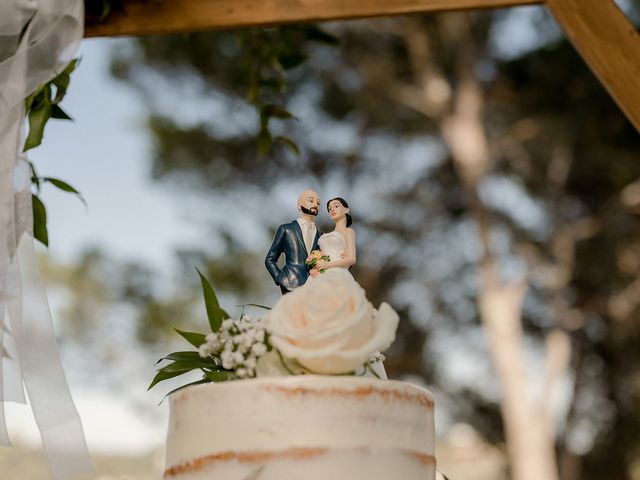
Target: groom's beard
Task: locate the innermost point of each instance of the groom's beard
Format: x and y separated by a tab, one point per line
313	211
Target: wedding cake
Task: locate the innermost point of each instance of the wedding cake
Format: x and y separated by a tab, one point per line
305	427
272	422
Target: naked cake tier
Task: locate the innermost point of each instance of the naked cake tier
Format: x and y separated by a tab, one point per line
301	427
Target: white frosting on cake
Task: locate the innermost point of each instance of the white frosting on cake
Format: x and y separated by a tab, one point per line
301	427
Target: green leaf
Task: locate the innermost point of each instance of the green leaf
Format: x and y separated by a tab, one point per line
161	376
255	305
318	35
288	143
214	312
30	100
71	66
64	186
62	80
39	221
184	366
106	9
264	141
272	84
197	382
277	111
62	83
27	103
38	118
57	112
195	339
220	376
292	60
35	180
186	355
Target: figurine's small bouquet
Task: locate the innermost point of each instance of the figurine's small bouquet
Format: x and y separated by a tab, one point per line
312	261
304	332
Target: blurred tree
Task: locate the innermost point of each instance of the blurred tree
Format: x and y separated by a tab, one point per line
436	136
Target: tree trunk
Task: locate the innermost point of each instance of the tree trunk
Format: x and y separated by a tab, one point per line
529	433
528	420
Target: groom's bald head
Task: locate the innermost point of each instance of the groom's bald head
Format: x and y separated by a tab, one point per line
309	202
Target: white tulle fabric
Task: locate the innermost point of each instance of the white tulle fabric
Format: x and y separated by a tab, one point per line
37	40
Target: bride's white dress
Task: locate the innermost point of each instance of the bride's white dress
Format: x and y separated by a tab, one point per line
333	244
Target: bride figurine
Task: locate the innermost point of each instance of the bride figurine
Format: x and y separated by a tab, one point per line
340	246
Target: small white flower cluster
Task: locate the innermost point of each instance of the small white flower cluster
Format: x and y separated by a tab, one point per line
238	345
378	357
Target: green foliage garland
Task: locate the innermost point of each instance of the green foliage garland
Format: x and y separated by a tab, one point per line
41	106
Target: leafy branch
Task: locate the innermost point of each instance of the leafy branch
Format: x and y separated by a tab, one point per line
41	106
270	54
97	11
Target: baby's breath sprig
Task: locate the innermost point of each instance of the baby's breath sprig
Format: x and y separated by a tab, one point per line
230	351
237	345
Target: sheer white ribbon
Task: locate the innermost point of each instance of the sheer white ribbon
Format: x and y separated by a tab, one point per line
37	40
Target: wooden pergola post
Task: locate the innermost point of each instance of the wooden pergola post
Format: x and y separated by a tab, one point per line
610	45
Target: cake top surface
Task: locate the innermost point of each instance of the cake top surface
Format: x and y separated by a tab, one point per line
337	387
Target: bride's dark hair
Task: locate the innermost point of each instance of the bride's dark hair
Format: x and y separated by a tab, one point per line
345	205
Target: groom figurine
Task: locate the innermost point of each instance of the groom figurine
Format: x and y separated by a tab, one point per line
296	240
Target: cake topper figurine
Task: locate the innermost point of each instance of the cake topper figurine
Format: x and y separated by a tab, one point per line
296	240
337	248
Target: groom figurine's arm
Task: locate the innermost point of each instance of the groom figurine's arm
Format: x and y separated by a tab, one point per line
271	260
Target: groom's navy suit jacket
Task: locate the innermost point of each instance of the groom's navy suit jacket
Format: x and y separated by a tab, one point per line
289	240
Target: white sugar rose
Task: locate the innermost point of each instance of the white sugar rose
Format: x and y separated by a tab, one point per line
329	326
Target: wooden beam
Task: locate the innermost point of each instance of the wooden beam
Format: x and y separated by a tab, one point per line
610	45
150	17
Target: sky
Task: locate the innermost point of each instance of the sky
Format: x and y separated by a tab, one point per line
105	154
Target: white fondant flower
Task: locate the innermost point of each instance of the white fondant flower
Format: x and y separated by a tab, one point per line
329	326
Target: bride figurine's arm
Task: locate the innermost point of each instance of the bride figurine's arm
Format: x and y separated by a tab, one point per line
348	258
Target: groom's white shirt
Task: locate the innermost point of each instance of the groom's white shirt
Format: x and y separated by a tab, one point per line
307	237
